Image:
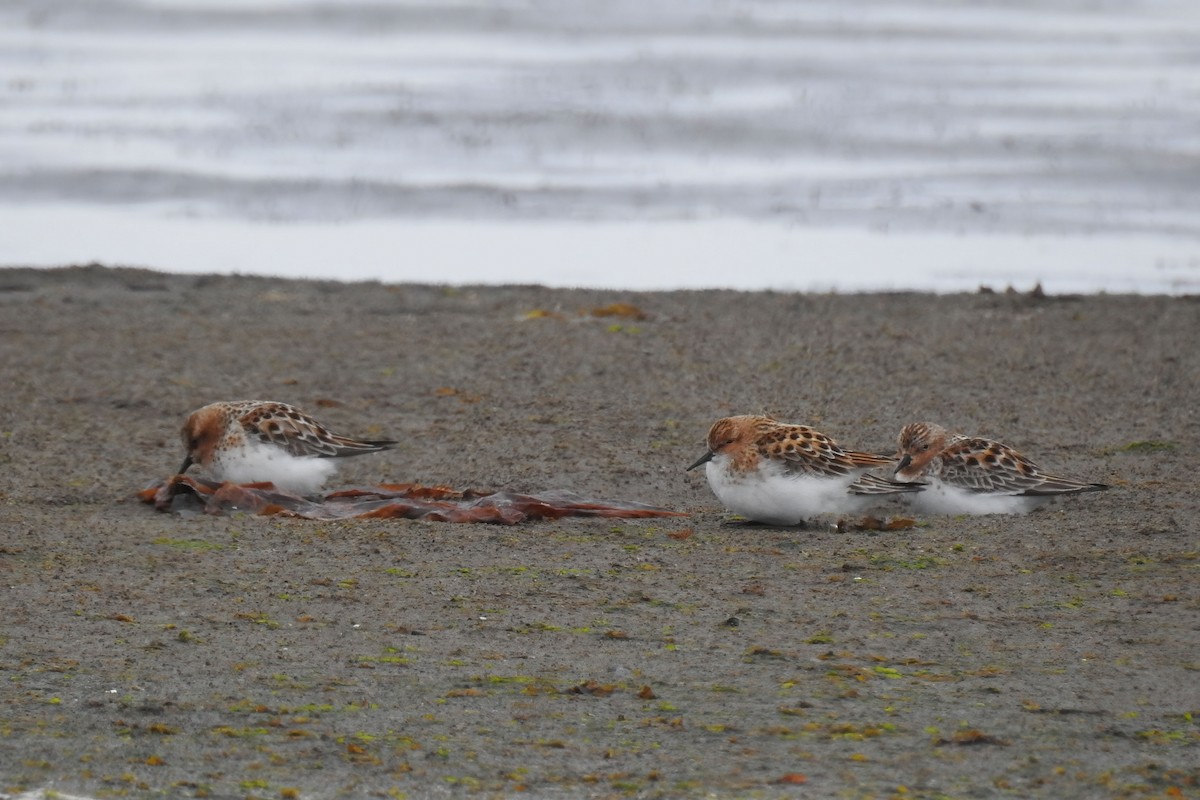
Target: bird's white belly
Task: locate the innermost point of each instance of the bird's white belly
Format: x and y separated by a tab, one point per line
941	498
258	461
780	499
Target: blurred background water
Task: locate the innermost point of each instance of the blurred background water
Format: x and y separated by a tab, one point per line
879	144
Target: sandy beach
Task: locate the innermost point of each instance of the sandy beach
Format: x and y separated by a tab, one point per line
146	654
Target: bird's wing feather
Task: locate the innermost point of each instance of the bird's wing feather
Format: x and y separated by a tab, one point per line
982	465
805	451
300	434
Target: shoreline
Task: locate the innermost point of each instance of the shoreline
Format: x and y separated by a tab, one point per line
661	255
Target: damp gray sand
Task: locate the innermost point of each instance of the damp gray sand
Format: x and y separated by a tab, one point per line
144	654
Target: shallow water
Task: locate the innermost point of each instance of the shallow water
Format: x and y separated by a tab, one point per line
924	145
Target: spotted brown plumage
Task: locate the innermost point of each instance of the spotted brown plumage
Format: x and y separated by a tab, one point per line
783	473
297	432
976	475
806	450
265	440
799	448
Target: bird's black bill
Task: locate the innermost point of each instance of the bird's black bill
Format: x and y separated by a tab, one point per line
704	459
187	462
904	462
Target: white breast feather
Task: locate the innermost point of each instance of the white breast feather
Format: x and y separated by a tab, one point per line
259	461
776	497
941	498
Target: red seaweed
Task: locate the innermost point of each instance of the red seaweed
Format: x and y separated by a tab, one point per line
387	501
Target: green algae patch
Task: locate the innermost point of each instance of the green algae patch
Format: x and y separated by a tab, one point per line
188	545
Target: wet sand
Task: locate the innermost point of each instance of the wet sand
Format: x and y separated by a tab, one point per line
1053	655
